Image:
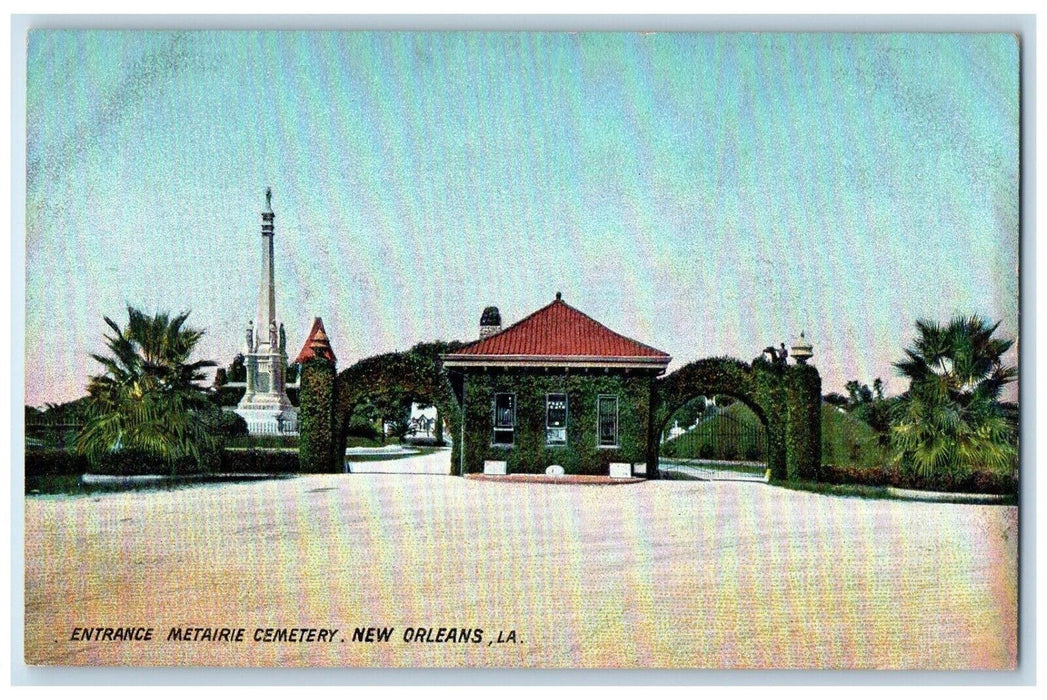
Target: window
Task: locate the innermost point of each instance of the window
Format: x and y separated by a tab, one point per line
504	418
556	419
607	420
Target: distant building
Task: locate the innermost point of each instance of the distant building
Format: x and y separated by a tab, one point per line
555	389
265	406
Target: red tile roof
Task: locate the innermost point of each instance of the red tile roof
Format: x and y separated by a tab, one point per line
559	332
317	344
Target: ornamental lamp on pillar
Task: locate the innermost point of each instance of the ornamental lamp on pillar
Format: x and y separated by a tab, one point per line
802	350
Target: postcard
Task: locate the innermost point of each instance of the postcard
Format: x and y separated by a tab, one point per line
522	349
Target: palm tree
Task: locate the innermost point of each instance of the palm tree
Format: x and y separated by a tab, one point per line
950	419
148	399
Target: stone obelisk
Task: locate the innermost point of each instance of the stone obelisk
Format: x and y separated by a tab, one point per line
265	405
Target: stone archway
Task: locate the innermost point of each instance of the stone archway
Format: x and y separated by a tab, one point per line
786	399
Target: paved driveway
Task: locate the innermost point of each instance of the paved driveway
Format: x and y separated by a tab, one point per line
659	574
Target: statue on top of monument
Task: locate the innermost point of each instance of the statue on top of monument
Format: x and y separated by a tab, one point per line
283	339
268	198
250	336
272	334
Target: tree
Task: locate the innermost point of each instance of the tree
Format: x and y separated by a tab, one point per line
690	413
871	406
951	420
149	400
835	399
238	369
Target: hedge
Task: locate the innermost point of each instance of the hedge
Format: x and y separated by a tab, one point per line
316	416
260	462
44	463
973	482
40	464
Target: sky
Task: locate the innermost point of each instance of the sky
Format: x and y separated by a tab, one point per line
705	193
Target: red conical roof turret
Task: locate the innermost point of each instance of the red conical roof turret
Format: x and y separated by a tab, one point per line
316	345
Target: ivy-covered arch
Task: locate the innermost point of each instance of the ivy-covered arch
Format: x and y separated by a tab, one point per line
328	401
786	398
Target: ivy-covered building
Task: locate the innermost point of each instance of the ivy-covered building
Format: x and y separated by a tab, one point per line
555	389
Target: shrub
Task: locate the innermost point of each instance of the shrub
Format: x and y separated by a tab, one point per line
260	462
972	482
426	442
849	441
228	395
140	463
261	442
42	463
225	424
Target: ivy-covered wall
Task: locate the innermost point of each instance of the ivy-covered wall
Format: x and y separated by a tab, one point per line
529	453
316	417
803	440
787	398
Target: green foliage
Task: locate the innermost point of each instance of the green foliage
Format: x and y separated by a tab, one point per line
848	441
689	414
803	429
731	434
530	454
260	462
53	471
835	399
382	386
256	442
56	425
399	422
140	462
364	422
147	402
44	463
224	424
870	406
950	421
316	417
237	371
890	475
291	373
228	395
785	397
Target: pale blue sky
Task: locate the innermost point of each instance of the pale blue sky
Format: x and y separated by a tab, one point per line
707	194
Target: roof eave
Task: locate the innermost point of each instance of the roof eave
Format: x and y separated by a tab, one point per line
638	362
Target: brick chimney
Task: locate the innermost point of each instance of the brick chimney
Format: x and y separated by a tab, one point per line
490	322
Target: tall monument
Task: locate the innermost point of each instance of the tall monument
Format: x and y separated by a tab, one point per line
265	405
